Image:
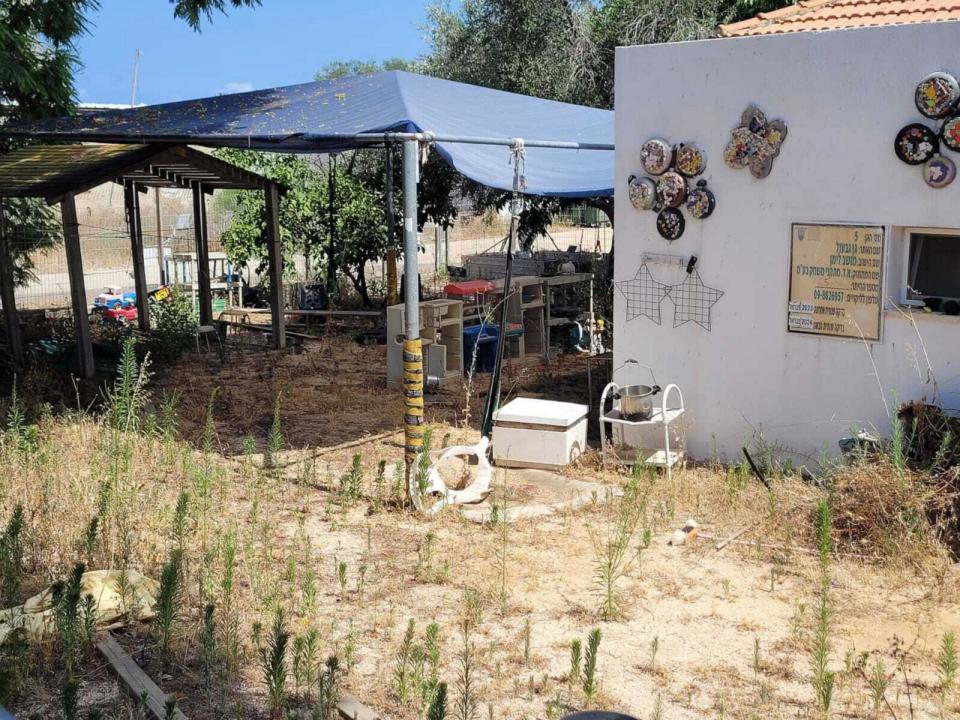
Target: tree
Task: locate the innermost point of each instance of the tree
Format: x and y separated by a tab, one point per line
193	11
641	22
561	50
438	181
37	64
359	229
351	68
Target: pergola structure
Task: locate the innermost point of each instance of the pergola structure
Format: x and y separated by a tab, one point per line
57	173
470	127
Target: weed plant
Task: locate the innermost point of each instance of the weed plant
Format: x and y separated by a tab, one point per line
823	678
273	664
612	545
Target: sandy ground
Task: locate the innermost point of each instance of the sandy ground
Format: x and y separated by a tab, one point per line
703	633
704	610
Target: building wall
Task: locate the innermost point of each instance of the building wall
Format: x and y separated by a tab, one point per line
844	95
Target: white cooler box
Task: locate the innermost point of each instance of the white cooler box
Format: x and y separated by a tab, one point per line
539	433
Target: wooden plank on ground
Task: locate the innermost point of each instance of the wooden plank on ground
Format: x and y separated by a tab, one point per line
138	683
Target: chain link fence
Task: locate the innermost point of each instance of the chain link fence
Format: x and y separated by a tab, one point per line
107	259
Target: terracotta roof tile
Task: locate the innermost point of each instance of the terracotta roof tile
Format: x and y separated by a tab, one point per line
837	14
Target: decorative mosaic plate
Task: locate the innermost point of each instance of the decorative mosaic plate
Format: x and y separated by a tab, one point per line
701	202
672	189
643	192
670	223
937	94
939	171
689	159
656	156
950	133
915	144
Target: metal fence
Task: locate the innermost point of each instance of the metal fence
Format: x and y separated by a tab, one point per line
105	239
107	257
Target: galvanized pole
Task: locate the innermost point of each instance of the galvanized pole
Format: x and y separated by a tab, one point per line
412	352
391	231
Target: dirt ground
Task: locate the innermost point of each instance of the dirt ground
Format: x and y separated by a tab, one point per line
334	391
704	633
705	611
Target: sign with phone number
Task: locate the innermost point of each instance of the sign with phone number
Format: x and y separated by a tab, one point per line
836	280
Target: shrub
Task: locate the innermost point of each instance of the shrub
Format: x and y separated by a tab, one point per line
174	323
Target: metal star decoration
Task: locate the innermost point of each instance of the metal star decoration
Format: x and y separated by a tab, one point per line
643	294
693	300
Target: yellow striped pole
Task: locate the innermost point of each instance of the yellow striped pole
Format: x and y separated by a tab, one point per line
413	395
412	352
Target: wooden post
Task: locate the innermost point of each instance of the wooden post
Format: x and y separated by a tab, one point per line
131	198
275	257
203	255
78	289
10	314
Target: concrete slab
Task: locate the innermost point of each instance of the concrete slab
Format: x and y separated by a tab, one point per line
537	493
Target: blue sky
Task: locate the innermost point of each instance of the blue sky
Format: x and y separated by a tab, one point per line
280	43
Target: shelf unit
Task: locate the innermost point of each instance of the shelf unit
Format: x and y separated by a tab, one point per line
525	312
185	276
441	336
663	417
561	284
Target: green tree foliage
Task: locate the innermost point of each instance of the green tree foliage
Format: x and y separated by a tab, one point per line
533	47
193	11
560	50
38	61
351	68
359	225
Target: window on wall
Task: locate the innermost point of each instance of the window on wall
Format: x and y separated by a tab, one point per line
933	265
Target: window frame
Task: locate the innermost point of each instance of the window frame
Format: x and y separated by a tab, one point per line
907	234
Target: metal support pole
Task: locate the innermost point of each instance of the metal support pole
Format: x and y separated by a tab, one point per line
131	199
275	258
78	289
10	314
203	255
412	350
332	281
391	231
161	278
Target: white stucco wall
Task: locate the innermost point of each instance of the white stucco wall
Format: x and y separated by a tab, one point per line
844	95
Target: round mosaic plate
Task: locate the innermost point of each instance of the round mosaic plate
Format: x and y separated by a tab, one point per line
656	156
672	189
939	171
937	94
915	144
689	159
950	133
670	223
701	202
643	192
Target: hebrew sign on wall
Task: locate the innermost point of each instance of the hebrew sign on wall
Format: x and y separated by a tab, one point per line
836	280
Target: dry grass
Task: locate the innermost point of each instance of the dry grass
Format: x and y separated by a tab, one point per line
291	532
889	514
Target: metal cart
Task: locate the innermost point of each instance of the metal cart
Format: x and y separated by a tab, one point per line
665	416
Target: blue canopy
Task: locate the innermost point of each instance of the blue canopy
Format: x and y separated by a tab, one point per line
323	117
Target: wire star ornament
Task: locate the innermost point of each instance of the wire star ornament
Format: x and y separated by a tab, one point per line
643	295
693	301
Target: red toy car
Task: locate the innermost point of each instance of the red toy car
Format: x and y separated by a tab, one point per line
123	313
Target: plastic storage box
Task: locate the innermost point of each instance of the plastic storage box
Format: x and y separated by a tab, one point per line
528	432
484	339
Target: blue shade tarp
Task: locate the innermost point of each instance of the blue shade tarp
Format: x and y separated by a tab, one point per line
324	117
